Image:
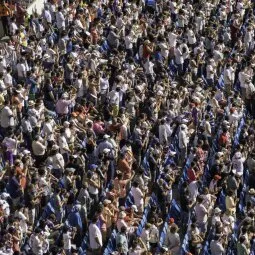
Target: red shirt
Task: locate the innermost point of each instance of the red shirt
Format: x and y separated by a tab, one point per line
191	175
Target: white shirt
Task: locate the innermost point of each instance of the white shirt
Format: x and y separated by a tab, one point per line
172	37
58	161
13	28
120	223
21	69
79	85
63	145
243	77
209	72
178	56
128	42
183	139
67	240
104	85
193	190
47	16
162	134
38	148
154	234
191	37
216	248
138	196
149	67
94	232
60	20
114	97
201	213
6	117
47	129
8	80
229	75
237	162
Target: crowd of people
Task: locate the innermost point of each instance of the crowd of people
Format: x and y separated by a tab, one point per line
127	128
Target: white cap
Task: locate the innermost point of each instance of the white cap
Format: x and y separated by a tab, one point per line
107	201
106	150
122	215
134	207
106	136
66	123
55	147
172	153
217	210
65	95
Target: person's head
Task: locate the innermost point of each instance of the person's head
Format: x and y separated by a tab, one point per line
242	239
119	175
94	219
173	229
135	184
123	230
200	199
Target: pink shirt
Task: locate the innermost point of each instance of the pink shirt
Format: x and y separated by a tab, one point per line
62	106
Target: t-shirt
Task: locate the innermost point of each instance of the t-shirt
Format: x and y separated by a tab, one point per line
216	248
138	196
201	213
6	117
121	240
154	234
94	232
67	240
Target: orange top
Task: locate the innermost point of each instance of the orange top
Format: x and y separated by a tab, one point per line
23	179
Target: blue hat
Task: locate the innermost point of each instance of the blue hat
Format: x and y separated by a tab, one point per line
93	167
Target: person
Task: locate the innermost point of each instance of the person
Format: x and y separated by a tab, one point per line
121	241
183	142
216	246
95	237
6	118
201	214
173	240
241	247
67	236
153	235
138	196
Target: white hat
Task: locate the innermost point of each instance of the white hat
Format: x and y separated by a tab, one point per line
106	150
198	89
172	153
160	93
65	95
220	153
122	215
70	169
31	103
46	56
106	136
252	191
185	121
107	201
173	84
66	123
226	222
55	147
134	207
217	210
